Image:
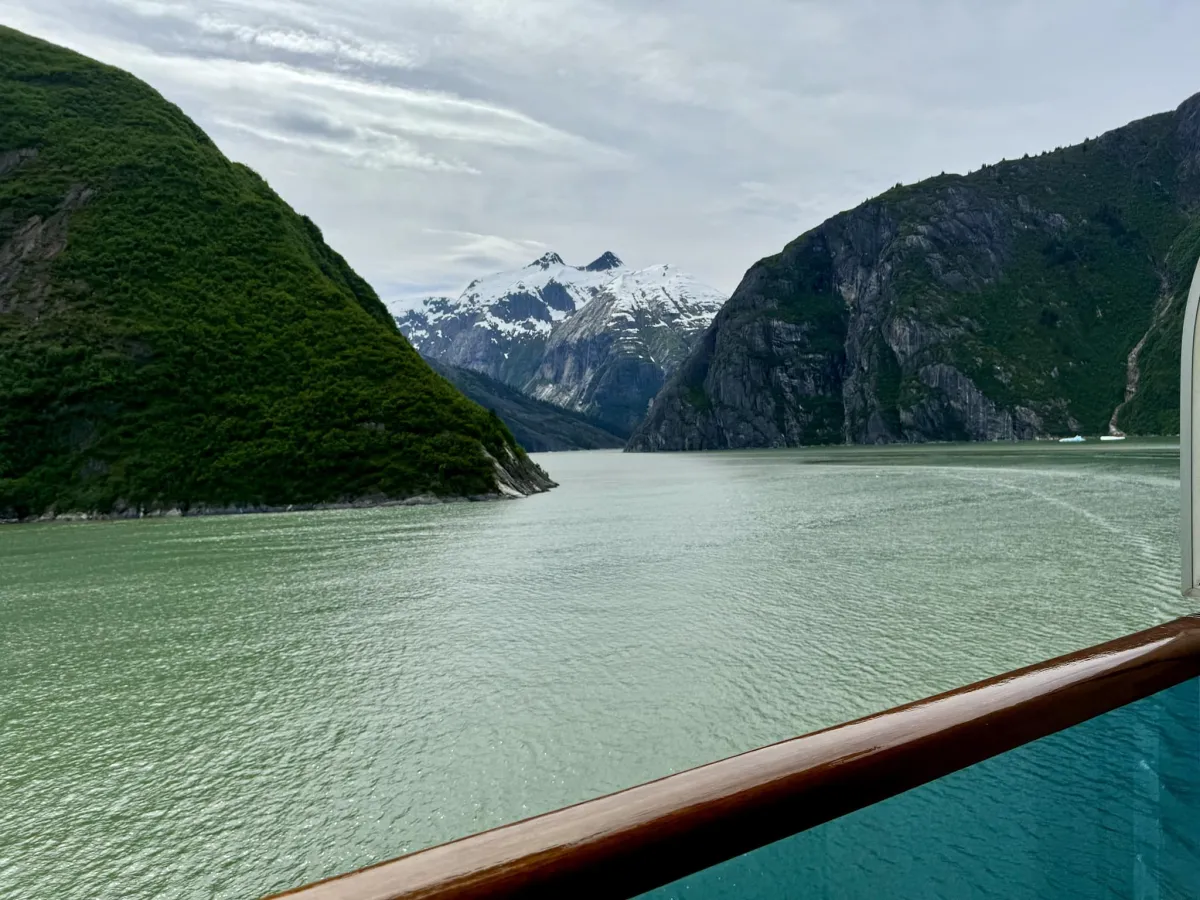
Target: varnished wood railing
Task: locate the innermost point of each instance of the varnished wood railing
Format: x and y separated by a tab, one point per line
629	842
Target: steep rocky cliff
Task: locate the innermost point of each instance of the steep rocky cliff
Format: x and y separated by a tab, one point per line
599	339
1033	297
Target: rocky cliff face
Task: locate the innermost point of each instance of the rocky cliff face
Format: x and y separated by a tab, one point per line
1033	297
612	357
599	339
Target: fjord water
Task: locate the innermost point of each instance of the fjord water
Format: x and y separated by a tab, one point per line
226	706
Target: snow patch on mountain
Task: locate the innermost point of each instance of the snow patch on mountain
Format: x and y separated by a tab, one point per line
561	288
594	338
674	297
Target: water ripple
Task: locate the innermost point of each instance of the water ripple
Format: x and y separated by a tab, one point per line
222	707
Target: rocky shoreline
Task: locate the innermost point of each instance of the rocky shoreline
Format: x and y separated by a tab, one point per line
177	512
520	478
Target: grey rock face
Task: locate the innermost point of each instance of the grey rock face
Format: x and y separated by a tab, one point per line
10	159
604	263
613	356
956	408
519	476
1002	305
816	344
26	254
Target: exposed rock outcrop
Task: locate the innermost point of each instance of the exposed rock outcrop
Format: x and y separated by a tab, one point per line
1000	305
26	253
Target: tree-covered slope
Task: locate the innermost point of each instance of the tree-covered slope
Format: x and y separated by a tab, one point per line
172	334
1033	297
537	425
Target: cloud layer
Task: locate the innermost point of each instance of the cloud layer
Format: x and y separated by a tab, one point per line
437	140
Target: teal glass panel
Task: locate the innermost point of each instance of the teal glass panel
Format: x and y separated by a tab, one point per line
1107	809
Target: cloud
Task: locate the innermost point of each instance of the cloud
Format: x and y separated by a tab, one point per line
435	140
356	147
488	251
291	31
301	122
306	43
375	107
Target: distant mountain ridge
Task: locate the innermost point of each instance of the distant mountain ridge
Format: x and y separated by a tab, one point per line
599	339
1034	297
492	325
538	426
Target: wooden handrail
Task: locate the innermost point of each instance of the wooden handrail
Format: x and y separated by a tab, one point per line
625	843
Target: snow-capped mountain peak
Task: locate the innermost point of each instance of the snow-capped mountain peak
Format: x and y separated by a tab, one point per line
646	298
665	283
547	261
573	335
604	263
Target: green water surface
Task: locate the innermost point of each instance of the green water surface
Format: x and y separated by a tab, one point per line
222	707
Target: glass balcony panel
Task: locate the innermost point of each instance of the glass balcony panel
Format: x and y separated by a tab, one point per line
1107	809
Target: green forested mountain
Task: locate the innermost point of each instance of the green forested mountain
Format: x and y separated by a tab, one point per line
1039	296
173	334
537	425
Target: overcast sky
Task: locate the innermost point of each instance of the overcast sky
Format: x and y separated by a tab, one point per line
437	140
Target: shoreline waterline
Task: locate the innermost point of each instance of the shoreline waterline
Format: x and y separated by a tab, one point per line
198	512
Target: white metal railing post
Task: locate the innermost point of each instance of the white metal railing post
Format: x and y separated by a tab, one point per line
1189	442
